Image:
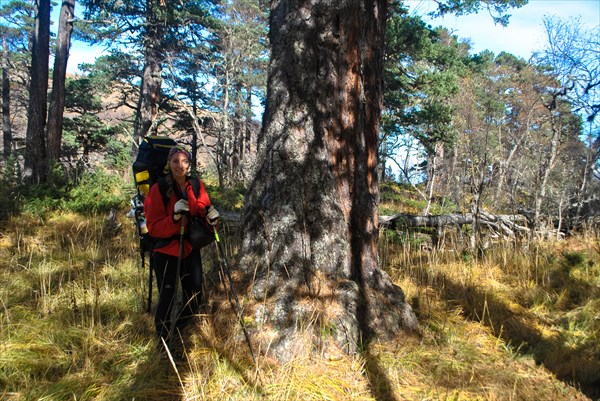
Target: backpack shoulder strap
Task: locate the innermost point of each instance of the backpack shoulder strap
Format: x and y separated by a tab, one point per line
163	187
195	183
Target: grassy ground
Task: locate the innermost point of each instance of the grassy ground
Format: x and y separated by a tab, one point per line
510	324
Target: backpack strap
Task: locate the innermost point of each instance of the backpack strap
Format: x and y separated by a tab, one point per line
163	187
195	183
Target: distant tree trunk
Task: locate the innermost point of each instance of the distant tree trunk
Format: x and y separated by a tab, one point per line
311	220
246	154
432	170
35	149
248	134
546	168
147	108
503	166
57	97
6	126
383	160
224	137
237	140
591	157
454	180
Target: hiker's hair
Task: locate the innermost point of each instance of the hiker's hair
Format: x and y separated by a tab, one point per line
169	179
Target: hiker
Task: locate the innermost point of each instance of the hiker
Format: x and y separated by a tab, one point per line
165	213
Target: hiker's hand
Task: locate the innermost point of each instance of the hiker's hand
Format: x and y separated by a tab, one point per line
212	215
180	207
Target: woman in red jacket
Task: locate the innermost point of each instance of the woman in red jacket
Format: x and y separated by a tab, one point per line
164	212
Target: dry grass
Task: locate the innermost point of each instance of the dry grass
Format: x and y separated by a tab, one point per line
502	327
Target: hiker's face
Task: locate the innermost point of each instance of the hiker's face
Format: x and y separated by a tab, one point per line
179	164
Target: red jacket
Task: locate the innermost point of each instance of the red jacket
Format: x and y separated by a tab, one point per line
159	217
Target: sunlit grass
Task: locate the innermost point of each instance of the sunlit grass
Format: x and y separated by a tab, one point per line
498	326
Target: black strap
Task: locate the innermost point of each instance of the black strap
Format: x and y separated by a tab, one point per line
163	187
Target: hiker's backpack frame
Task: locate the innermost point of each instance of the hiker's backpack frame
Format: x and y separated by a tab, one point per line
148	167
153	154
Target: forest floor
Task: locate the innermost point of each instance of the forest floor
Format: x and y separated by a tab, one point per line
509	323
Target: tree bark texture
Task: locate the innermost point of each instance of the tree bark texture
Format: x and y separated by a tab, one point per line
311	220
148	104
57	97
35	144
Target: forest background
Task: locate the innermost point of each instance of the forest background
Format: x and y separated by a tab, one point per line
504	149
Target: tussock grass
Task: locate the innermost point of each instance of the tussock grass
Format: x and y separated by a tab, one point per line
541	304
504	325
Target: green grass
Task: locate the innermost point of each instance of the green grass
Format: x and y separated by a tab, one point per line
502	327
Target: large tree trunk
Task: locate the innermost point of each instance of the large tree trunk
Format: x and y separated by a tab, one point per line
57	97
147	108
35	145
311	220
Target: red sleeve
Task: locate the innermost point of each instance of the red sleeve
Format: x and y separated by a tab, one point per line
197	205
158	217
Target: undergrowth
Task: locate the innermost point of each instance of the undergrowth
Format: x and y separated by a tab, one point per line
504	327
511	323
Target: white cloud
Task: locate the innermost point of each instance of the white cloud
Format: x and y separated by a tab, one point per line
525	31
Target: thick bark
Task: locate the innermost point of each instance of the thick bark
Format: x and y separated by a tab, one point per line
35	146
57	97
148	104
311	221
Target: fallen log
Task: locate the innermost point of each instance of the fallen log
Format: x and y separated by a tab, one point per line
507	225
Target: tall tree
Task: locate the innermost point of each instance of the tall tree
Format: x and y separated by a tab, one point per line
6	125
239	68
147	27
311	222
57	97
572	55
147	109
561	123
16	27
35	150
311	219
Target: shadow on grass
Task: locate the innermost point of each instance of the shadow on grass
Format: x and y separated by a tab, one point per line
576	366
379	384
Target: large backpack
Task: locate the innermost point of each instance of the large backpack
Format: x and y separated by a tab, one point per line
150	161
148	167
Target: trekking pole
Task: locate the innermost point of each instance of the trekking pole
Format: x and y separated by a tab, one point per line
142	230
174	310
236	303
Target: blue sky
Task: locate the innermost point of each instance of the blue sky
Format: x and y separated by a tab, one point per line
525	31
523	35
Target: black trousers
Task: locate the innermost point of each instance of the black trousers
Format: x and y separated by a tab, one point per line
191	278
